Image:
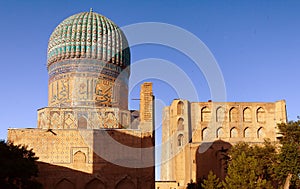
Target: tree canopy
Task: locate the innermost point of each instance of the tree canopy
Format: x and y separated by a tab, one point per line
17	167
268	165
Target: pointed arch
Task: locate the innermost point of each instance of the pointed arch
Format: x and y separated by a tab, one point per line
180	108
260	132
180	124
260	115
125	184
95	184
205	114
64	183
204	134
55	121
82	122
233	132
180	140
220	114
79	157
247	117
246	133
233	115
220	132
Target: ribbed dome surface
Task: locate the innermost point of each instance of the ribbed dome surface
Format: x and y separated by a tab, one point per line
88	35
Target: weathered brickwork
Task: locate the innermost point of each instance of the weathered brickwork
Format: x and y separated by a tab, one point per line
190	128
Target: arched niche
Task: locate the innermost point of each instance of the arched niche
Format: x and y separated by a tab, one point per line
247	116
233	115
220	114
180	108
95	184
180	140
247	132
204	134
126	183
260	133
180	124
205	114
233	132
260	115
79	157
219	132
82	122
64	184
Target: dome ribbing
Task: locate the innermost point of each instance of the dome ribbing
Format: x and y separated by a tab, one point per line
88	35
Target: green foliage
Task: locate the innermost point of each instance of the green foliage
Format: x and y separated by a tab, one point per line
264	154
242	174
212	182
17	167
289	155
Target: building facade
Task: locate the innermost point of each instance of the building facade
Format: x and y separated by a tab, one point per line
87	137
195	134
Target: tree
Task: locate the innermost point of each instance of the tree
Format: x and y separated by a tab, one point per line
212	182
17	167
242	174
288	167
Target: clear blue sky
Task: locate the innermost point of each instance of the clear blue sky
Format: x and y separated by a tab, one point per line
256	44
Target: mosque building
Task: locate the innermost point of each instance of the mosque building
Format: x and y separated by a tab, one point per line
87	138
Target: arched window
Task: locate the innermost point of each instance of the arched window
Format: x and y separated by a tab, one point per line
247	117
233	133
220	114
180	108
260	133
79	157
205	114
180	140
246	132
260	115
82	123
180	125
95	183
55	121
125	184
219	132
63	184
204	134
233	115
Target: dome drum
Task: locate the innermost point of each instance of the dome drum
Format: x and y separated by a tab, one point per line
88	63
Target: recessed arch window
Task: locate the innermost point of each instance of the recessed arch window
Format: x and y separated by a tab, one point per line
82	123
95	183
64	183
233	115
180	108
205	114
233	133
220	114
260	115
246	132
79	157
247	117
180	124
204	134
180	140
219	132
260	132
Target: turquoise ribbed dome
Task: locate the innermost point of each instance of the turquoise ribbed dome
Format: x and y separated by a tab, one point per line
88	35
